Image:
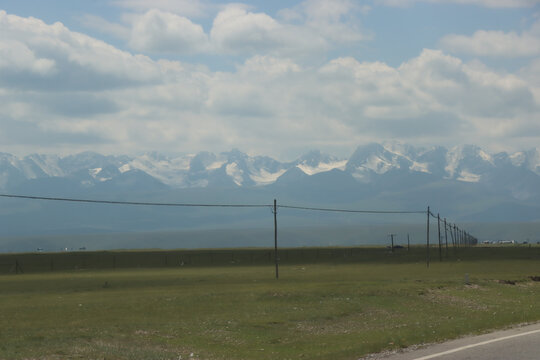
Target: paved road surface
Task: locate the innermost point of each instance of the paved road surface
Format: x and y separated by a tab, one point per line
521	343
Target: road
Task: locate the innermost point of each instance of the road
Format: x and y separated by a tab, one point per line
520	343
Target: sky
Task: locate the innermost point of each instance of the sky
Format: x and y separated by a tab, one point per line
275	78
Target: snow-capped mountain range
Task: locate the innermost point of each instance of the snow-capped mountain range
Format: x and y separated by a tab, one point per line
465	184
463	164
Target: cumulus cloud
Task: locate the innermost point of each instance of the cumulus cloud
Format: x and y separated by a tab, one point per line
161	32
495	43
335	20
313	27
68	86
17	57
60	59
187	8
484	3
100	24
236	30
433	94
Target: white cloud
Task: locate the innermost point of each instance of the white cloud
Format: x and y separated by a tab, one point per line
484	3
312	28
531	73
161	32
335	20
187	8
269	66
17	57
100	24
328	11
432	96
318	26
236	30
495	43
65	89
71	60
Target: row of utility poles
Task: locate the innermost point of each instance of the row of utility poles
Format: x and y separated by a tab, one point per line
459	237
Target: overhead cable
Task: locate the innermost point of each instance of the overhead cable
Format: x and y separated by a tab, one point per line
351	211
139	203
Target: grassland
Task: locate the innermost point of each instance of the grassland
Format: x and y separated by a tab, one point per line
328	303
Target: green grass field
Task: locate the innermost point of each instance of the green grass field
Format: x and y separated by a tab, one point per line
339	307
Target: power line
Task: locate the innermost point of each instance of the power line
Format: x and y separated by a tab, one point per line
352	211
138	203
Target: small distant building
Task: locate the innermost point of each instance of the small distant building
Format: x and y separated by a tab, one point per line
507	242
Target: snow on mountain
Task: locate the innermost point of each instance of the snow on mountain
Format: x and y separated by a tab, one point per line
170	171
48	164
391	164
374	159
322	167
8	170
528	159
534	160
95	174
420	167
410	154
33	166
468	163
518	159
245	170
234	171
89	160
264	170
466	176
263	177
316	162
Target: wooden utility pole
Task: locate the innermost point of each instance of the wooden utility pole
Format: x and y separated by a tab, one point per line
392	242
275	239
446	237
408	243
427	238
439	230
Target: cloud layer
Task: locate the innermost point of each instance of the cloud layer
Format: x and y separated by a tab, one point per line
496	43
66	91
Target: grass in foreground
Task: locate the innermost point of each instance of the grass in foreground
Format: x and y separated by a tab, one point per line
312	311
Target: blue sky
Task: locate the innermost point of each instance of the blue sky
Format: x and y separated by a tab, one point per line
267	77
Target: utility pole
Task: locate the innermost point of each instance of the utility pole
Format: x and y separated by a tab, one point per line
439	230
456	236
392	243
275	240
446	237
427	238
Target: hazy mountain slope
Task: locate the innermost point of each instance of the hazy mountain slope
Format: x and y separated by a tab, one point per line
463	183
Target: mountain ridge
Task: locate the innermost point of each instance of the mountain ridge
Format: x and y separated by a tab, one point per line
463	183
467	163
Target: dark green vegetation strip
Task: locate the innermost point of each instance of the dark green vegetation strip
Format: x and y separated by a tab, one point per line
332	309
122	259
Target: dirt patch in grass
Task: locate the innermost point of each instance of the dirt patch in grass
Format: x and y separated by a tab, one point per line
443	297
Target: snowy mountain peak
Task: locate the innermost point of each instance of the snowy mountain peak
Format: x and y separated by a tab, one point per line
315	162
374	159
367	165
467	163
